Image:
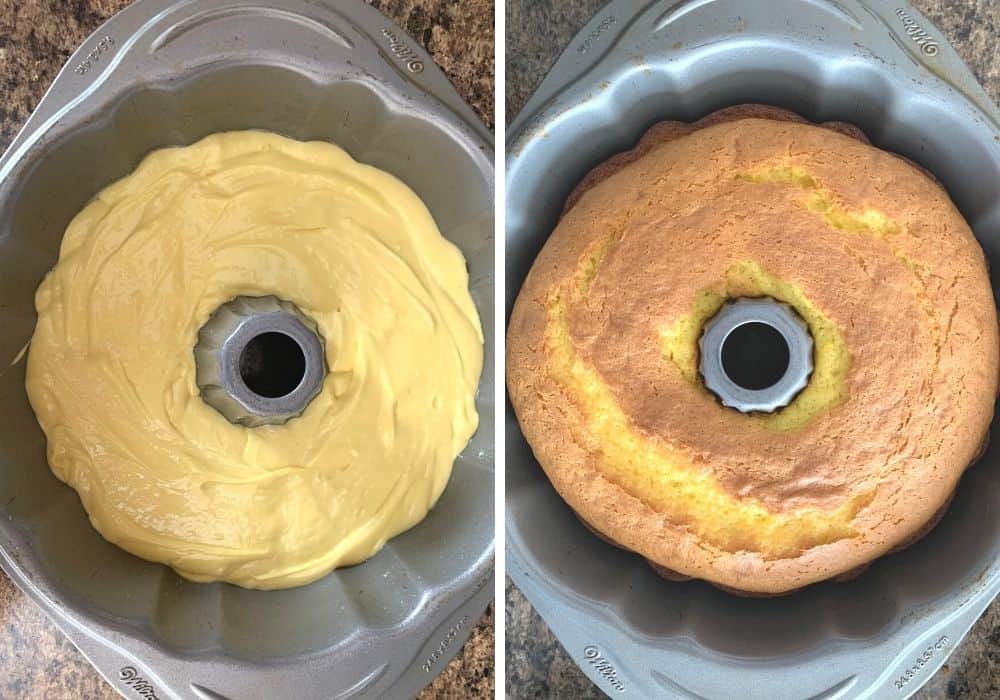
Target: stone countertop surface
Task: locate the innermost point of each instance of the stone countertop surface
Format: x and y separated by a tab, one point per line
537	32
36	38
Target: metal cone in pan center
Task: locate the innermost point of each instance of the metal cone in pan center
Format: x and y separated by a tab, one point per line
756	355
259	361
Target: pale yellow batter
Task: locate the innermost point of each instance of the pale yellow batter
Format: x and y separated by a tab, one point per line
111	371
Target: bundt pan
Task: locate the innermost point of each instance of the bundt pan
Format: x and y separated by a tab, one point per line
167	73
874	63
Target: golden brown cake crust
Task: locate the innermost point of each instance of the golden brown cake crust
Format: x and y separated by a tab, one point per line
922	381
670	130
671	575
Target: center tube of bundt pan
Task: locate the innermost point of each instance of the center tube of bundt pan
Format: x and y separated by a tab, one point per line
756	355
259	361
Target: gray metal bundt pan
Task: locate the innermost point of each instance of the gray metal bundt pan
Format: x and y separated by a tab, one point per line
160	74
874	63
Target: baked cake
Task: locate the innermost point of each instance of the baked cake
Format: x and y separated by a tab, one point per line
868	249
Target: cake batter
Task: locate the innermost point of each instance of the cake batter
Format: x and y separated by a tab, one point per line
111	370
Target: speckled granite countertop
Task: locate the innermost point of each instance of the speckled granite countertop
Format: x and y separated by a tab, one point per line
537	32
36	37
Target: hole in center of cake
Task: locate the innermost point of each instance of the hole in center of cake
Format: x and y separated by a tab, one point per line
272	364
755	355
